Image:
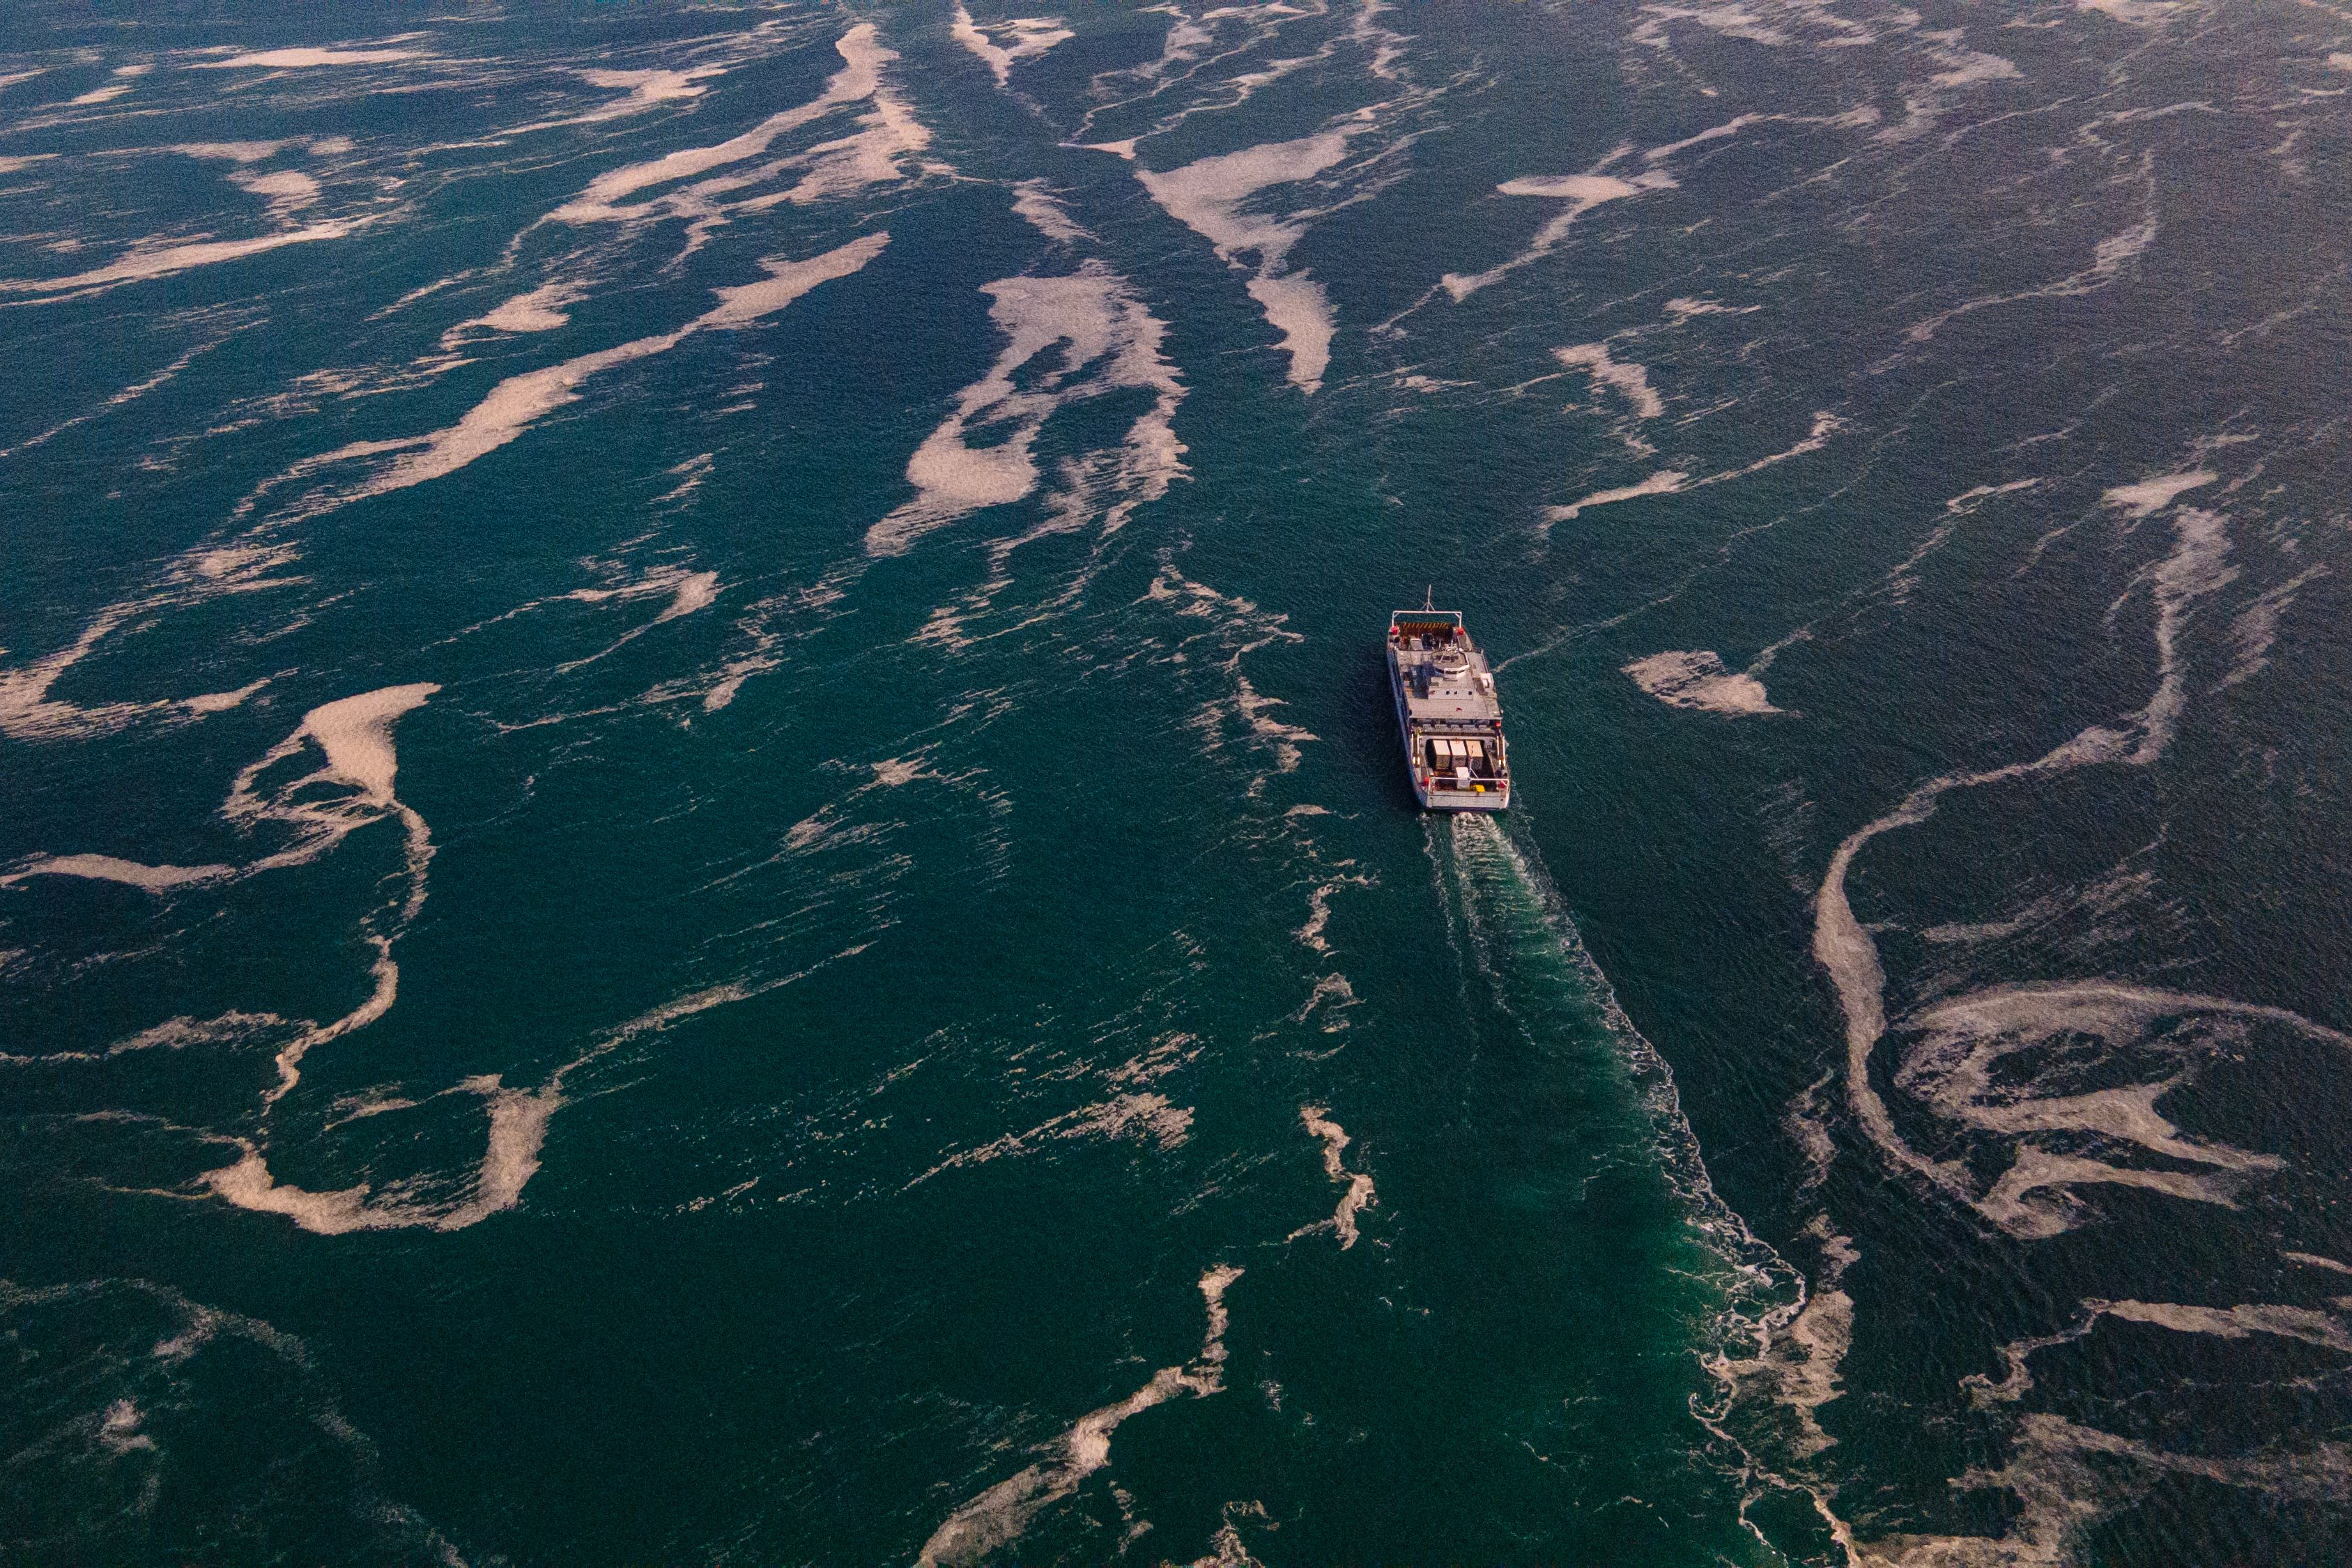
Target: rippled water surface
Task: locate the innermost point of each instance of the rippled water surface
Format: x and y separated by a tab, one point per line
702	857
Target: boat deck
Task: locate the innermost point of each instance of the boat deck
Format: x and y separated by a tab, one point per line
1450	714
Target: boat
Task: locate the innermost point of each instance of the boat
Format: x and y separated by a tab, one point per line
1448	710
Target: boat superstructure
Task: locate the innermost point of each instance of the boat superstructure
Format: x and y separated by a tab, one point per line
1448	712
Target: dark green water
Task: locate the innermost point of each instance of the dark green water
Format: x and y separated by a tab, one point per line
701	849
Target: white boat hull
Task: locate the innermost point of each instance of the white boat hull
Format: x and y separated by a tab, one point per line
1435	791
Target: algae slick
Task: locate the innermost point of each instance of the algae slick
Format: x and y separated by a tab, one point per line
699	862
1448	712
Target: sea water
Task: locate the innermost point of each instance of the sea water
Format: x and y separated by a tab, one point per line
702	856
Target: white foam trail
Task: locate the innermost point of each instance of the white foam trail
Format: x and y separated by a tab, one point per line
511	1156
2302	1323
1208	197
1733	21
1036	202
1825	424
647	89
787	280
1898	582
1666	482
2312	1261
1953	1072
2148	497
2199	565
287	190
1226	1547
1582	192
2255	629
2109	258
355	736
151	260
1698	679
870	157
2061	1492
1107	340
859	79
1630	381
107	868
2134	12
1142	1116
517	1130
1359	1194
1680	310
2010	1203
541	309
27	712
1319	901
386	974
515	404
1800	1348
1032	36
304	59
999	1515
1845	951
1959	68
1297	306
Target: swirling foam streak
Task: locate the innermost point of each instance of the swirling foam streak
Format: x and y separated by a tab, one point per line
647	90
1582	192
308	60
999	1515
1674	481
510	1155
144	262
867	158
1101	487
1698	679
146	1367
1032	36
1954	1071
1630	381
1109	342
2303	1324
1142	1116
2109	256
2195	567
131	393
241	564
354	734
1359	1194
1187	40
515	404
2059	1492
1664	482
1207	197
